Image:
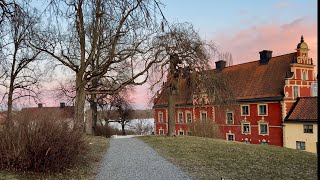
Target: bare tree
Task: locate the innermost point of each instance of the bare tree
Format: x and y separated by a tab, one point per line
19	59
183	53
117	32
141	127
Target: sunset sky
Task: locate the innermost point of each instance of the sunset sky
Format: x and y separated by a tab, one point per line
245	27
242	28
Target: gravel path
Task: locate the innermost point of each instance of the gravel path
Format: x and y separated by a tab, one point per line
130	158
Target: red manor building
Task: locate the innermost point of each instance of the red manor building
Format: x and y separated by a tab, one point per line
264	91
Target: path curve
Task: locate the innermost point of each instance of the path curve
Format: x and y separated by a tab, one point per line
131	158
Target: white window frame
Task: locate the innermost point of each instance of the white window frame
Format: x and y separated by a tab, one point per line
305	128
201	119
231	116
243	128
248	110
227	136
180	113
294	93
304	75
180	130
160	113
162	131
188	112
261	123
259	113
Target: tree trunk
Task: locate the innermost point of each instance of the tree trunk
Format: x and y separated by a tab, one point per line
9	112
171	115
123	130
94	113
80	102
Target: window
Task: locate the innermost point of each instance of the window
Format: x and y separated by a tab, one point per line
189	117
180	117
295	92
230	137
246	141
181	133
244	110
308	128
262	109
304	75
189	133
263	128
264	143
229	118
245	128
160	116
301	145
203	116
160	131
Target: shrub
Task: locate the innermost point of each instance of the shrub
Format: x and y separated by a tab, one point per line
205	129
105	131
40	142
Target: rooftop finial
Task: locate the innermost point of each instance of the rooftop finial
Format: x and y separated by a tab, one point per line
302	40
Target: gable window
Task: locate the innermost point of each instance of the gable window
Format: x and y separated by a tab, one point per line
304	75
263	128
295	92
160	116
245	128
180	120
301	145
203	116
308	128
230	137
262	109
229	117
189	117
245	110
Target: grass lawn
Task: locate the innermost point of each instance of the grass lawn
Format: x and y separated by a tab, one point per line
205	158
85	168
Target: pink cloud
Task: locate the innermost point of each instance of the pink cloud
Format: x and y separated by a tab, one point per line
281	5
281	39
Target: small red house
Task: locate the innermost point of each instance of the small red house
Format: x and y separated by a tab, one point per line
264	91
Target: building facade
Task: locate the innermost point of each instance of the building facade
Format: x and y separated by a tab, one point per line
264	91
300	125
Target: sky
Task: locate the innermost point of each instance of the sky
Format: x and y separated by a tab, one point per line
244	28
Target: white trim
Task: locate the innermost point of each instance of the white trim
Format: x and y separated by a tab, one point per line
202	111
261	123
188	112
162	131
258	105
160	113
234	136
227	117
180	130
180	112
242	128
248	105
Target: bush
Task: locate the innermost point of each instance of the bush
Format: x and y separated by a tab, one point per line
41	143
105	131
205	129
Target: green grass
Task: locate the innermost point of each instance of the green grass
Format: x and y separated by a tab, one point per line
206	158
85	168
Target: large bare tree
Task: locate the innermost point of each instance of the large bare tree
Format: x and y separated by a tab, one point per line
18	58
114	34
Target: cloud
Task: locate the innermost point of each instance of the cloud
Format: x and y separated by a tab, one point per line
281	5
245	44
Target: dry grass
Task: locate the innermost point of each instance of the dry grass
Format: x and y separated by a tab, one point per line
85	168
206	158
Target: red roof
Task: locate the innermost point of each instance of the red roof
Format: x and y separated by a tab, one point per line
246	81
304	109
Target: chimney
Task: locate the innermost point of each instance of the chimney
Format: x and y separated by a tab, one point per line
40	105
62	105
221	64
265	56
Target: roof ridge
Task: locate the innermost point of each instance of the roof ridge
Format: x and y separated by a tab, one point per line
255	61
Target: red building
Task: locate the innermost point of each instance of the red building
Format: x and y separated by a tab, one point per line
264	91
